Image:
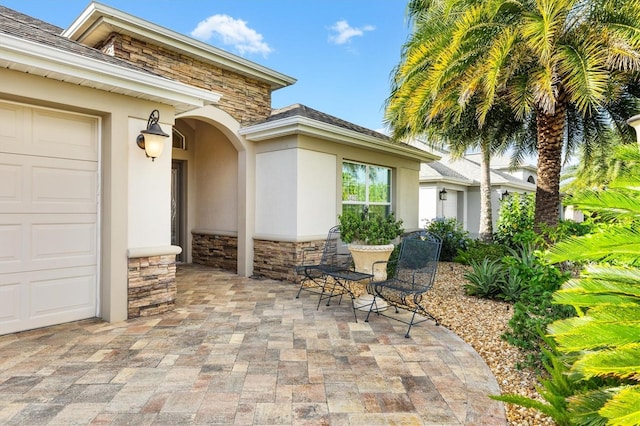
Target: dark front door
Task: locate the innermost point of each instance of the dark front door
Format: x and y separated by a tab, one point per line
177	208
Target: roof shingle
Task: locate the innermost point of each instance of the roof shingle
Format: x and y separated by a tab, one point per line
29	28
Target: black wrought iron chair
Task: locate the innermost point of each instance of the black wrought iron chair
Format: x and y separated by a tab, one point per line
414	273
313	275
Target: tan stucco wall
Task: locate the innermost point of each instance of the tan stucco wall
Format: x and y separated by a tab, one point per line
213	127
216	164
121	117
276	193
149	200
318	163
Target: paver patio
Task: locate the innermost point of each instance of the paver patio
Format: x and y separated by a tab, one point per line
244	351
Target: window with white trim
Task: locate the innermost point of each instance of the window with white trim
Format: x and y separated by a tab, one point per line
366	185
178	140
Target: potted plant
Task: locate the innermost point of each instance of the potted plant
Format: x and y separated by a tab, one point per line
369	238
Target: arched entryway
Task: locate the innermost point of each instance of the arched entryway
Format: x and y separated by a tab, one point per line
217	187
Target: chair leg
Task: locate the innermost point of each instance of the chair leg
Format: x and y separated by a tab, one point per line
413	317
373	303
300	289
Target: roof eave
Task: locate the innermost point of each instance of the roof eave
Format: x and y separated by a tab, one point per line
446	180
305	126
46	61
90	27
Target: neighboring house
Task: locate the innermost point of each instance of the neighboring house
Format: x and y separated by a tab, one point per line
91	227
450	188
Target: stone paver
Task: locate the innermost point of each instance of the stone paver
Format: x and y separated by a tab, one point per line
244	351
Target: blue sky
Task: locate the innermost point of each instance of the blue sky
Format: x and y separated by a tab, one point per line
342	52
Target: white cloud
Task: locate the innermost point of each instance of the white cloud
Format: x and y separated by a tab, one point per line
232	32
342	32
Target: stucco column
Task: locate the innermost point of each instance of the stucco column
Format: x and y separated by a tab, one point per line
115	226
246	210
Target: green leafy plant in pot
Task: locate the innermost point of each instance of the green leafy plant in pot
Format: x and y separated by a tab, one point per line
369	238
366	228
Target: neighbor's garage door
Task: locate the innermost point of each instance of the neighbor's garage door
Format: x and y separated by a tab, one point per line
48	217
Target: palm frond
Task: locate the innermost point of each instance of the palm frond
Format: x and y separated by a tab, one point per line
622	363
543	27
623	246
585	407
587	332
624	407
620	204
582	67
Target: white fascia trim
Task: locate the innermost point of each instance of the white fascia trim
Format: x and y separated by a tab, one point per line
100	73
524	186
306	126
162	35
448	180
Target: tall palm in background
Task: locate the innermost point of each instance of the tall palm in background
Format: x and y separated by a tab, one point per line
459	135
495	138
562	64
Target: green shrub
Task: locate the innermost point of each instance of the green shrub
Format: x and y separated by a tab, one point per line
453	236
569	228
534	308
367	227
514	226
485	278
596	352
478	251
555	388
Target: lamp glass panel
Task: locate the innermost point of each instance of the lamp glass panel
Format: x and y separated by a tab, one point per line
153	145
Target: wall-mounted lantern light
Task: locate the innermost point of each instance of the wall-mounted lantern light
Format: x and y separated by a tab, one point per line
443	194
635	123
504	195
152	138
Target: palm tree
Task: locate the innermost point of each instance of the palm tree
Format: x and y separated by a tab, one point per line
494	138
461	134
551	61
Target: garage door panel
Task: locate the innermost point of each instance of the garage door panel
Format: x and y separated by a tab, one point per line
10	289
42	298
11	181
48	133
39	242
55	133
63	242
11	235
12	135
36	184
63	292
56	185
49	235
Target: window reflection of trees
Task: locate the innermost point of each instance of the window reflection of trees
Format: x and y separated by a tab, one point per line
364	185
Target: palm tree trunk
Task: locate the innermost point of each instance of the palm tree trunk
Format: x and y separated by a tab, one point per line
550	132
486	220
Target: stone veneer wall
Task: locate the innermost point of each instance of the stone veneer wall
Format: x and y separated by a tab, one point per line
245	99
152	285
276	259
217	251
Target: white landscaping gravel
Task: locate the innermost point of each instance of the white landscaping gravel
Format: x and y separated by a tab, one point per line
480	323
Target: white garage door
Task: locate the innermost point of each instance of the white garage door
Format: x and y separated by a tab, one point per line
48	217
